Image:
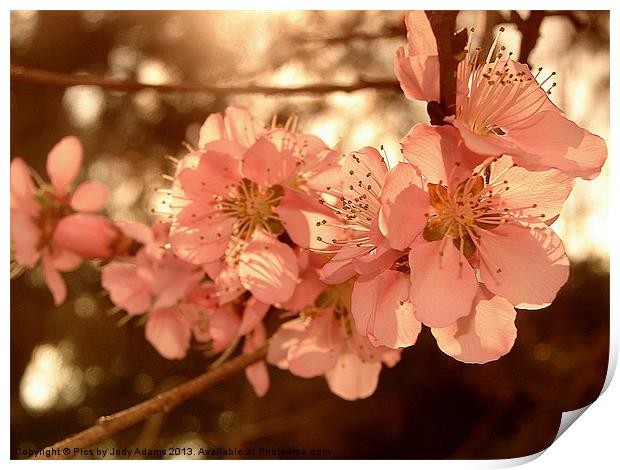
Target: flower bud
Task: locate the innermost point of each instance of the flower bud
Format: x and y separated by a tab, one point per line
89	236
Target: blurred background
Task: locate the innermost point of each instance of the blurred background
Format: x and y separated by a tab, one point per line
72	364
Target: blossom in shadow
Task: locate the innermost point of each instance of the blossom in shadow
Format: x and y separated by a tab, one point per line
39	208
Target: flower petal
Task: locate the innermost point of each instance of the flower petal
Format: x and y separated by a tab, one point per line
258	376
337	271
54	280
340	267
439	154
351	378
173	279
418	75
212	129
382	311
286	337
300	215
216	173
22	188
90	236
139	232
25	236
169	331
63	163
257	373
485	335
442	290
253	314
268	269
90	196
318	348
485	144
223	326
420	36
561	144
189	245
536	194
264	164
418	71
398	179
524	265
378	259
241	127
126	288
362	168
406	217
65	260
306	291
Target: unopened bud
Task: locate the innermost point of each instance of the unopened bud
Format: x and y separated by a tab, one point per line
89	236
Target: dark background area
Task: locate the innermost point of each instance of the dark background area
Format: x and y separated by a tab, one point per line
74	363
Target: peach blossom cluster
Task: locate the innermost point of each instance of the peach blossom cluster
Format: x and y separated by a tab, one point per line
337	261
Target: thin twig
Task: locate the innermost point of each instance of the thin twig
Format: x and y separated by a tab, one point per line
29	75
162	403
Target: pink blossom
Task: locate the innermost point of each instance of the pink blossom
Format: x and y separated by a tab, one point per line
486	334
219	325
222	326
156	283
38	210
226	281
324	341
501	108
417	69
463	222
382	310
354	241
87	235
380	303
310	285
243	189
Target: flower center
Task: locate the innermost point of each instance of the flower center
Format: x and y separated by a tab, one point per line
252	207
52	209
459	215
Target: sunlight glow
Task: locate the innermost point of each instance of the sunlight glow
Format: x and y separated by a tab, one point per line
51	380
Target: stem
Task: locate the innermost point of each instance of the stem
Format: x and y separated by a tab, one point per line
28	75
443	24
162	403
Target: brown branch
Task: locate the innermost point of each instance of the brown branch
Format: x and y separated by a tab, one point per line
443	24
162	403
24	74
530	32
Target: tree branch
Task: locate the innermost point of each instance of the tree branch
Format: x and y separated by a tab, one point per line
162	403
530	32
24	74
443	24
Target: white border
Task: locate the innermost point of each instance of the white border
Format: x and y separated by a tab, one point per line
593	442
